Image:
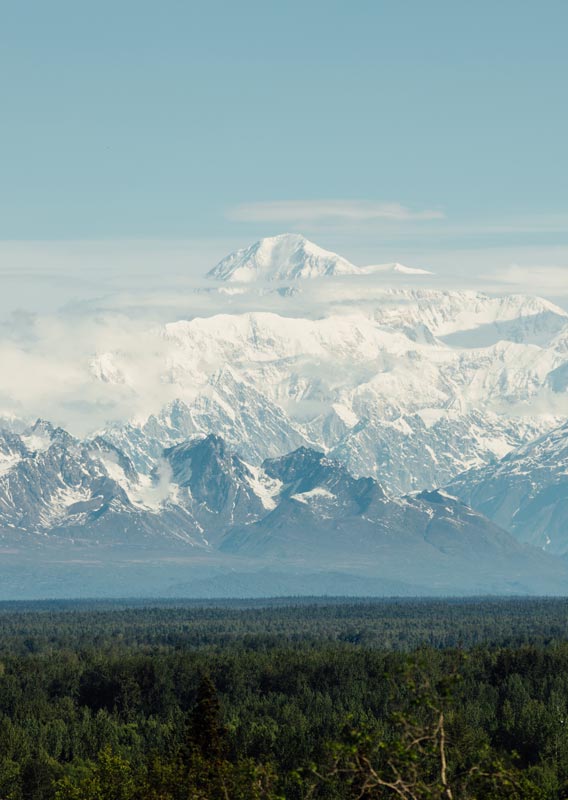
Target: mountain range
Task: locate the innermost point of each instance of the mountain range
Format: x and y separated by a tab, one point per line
73	502
303	446
365	386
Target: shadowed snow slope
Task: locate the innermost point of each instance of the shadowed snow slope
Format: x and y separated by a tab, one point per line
526	492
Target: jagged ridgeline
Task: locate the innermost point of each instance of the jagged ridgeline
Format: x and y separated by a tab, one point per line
305	445
207	522
372	365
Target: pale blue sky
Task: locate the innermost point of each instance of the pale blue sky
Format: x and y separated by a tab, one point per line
140	142
226	121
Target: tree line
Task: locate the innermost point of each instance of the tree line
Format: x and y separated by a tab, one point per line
303	700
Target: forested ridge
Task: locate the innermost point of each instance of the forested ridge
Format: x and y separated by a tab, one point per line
284	699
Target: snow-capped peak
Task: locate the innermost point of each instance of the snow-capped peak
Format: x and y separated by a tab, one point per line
286	257
290	257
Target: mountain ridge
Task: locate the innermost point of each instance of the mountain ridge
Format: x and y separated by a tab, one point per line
283	429
302	511
526	492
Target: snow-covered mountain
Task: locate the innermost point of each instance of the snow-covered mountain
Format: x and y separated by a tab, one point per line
292	257
526	492
408	385
415	387
82	500
287	257
412	385
54	486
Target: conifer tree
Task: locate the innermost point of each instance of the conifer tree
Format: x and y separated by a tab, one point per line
206	728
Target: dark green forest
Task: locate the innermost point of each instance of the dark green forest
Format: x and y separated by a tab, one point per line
330	699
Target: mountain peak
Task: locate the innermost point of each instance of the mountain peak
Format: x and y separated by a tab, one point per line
292	257
288	256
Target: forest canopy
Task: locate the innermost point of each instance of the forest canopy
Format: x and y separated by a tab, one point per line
291	699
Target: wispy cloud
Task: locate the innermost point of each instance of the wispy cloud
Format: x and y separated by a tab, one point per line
545	280
310	211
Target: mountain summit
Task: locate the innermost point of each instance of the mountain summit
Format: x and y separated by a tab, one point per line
291	257
286	257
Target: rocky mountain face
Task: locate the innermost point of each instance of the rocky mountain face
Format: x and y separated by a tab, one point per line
303	511
56	487
526	492
326	516
313	432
